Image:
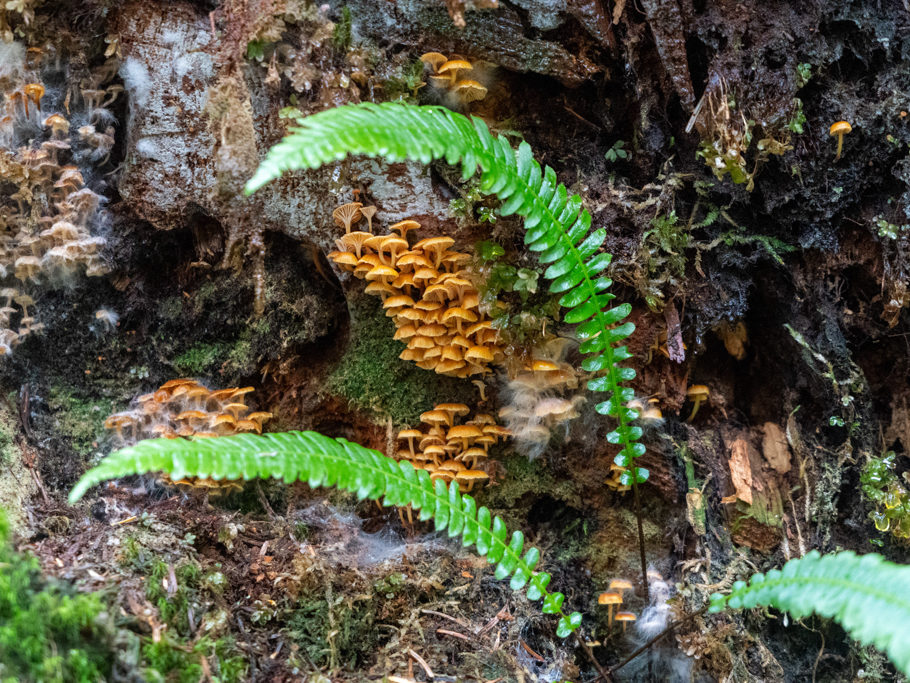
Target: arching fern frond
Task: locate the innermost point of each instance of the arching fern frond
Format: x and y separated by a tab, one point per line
322	461
867	595
556	224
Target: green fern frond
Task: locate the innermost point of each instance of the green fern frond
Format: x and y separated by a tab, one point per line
322	461
556	224
866	594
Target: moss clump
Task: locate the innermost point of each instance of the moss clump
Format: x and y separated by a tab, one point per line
48	632
335	631
176	657
80	420
373	378
177	660
524	477
201	359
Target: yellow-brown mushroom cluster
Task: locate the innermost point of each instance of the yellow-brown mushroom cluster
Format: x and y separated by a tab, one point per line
185	408
45	235
424	289
614	597
542	397
447	74
450	450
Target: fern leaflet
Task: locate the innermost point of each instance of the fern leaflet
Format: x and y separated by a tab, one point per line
556	224
322	461
867	595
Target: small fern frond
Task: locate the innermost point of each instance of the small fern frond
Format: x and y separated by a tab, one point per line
322	461
866	594
556	224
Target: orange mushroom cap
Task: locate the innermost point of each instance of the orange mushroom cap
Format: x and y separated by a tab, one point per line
840	128
609	598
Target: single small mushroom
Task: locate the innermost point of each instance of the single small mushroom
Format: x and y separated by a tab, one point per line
34	92
452	67
434	247
470	477
698	394
464	434
346	259
409	435
472	456
625	618
620	585
355	241
469	91
368	212
609	598
435	418
380	289
346	214
460	316
840	129
236	409
403	227
434	60
479	354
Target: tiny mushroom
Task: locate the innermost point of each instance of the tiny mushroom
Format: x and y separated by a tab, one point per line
469	91
620	585
469	477
698	394
368	212
346	214
34	92
840	129
609	598
625	617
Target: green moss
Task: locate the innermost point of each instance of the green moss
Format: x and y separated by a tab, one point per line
524	477
335	631
373	378
342	34
80	420
176	657
201	359
48	632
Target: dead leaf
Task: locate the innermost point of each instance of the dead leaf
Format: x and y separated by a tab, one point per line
741	471
774	448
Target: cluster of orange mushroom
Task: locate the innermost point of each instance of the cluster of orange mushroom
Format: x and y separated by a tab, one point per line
44	223
613	598
184	407
424	289
448	450
446	74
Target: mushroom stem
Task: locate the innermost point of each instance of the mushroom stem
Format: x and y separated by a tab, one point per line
695	407
840	145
